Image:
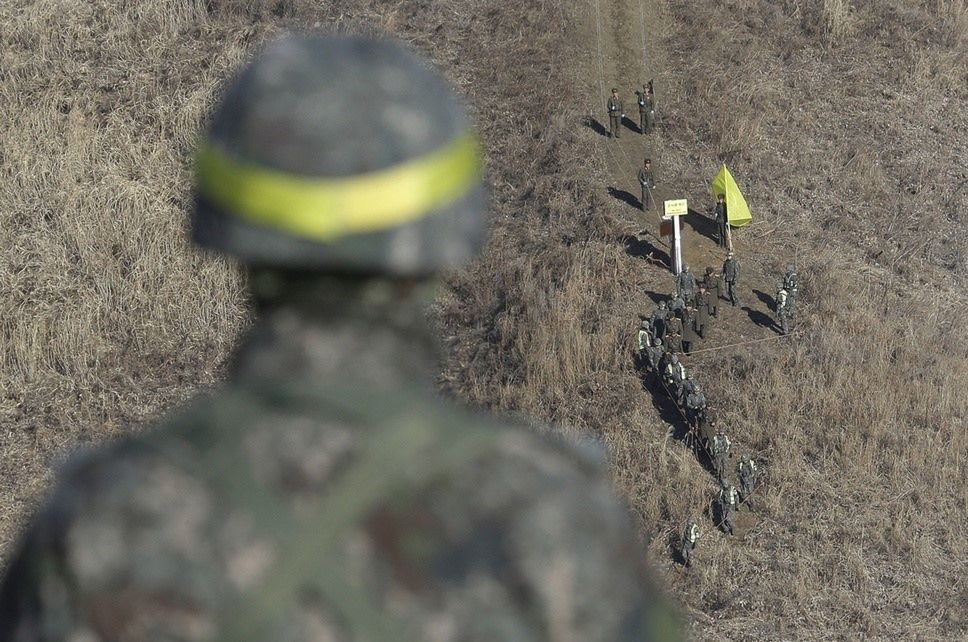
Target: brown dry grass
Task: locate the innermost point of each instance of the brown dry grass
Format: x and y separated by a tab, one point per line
845	121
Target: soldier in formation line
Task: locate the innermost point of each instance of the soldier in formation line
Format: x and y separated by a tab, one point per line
746	471
615	115
646	108
711	283
326	493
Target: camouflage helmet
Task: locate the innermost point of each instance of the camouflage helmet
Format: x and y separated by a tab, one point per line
340	154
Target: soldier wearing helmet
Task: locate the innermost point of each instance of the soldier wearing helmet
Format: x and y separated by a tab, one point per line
325	493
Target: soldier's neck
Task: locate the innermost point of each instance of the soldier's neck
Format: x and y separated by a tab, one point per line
342	330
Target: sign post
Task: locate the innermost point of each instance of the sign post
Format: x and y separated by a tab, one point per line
673	210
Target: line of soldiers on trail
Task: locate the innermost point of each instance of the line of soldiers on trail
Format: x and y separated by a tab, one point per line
616	111
670	331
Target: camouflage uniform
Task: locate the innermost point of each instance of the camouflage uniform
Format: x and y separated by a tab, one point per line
326	493
689	538
782	310
746	471
673	335
721	453
686	285
728	503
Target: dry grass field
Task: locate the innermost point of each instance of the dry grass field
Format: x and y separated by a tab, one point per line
846	123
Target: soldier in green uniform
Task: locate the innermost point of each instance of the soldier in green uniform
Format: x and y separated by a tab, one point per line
653	355
686	285
690	536
722	220
615	115
711	283
690	335
326	492
702	311
647	183
646	110
731	276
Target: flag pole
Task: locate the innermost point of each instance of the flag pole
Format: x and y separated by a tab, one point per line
729	233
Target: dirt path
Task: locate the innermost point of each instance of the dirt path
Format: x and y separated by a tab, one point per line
621	54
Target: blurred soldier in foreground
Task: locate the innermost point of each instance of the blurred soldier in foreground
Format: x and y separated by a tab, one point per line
615	115
325	493
689	538
731	276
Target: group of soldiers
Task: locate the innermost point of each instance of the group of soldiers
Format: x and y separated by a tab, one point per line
664	337
616	110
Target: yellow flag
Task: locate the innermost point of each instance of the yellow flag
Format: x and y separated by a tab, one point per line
737	210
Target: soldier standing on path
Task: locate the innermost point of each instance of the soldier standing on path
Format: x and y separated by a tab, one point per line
731	276
711	283
647	182
728	504
721	452
695	406
746	471
722	220
646	110
686	285
675	377
790	284
690	536
782	309
676	304
615	115
327	492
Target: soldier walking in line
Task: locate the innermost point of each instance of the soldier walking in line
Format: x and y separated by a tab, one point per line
721	452
722	220
690	335
675	376
615	115
676	304
686	285
711	283
746	471
690	536
673	335
702	311
646	110
659	319
728	504
325	484
653	356
695	406
647	183
782	310
790	284
731	276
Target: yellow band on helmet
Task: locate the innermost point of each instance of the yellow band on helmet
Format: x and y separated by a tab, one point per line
325	209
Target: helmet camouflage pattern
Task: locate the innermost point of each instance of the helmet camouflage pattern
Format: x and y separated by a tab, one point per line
365	166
